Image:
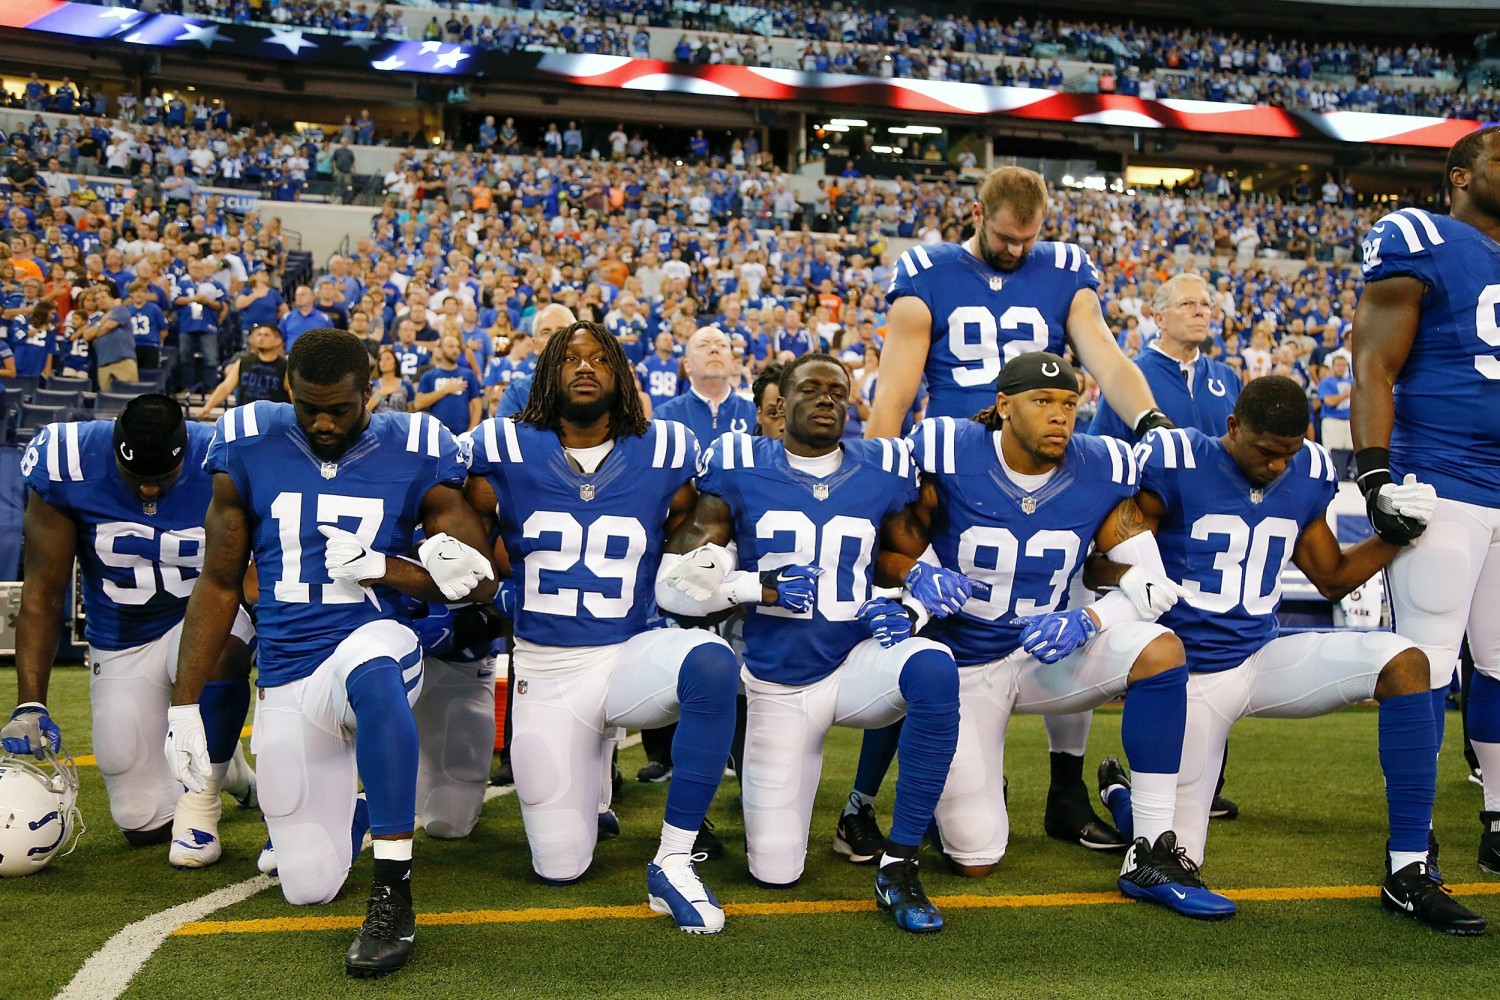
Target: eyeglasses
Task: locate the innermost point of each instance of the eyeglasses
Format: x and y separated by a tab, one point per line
1193	305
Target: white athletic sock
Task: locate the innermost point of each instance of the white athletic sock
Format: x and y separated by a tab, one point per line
676	846
857	800
198	810
393	850
1153	798
1400	859
1489	767
219	771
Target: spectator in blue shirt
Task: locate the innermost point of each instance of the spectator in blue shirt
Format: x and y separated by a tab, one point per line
1333	393
303	318
449	392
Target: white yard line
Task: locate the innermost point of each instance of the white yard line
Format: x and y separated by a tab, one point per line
108	971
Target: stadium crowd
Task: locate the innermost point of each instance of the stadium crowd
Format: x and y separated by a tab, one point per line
473	246
1127	58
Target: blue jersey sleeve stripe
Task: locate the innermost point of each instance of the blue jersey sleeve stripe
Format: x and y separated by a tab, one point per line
659	439
1075	256
950	432
54	470
252	421
679	449
1428	226
921	255
434	430
413	431
491	446
75	466
747	451
911	269
512	441
904	451
1408	231
724	448
1116	466
1189	460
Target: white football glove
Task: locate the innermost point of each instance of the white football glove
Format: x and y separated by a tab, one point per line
456	568
346	558
698	573
1412	499
1151	594
187	748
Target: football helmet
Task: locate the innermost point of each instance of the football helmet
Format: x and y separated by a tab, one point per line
39	817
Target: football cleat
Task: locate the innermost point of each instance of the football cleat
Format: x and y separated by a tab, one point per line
609	825
502	774
39	817
267	860
1433	872
654	772
677	890
1112	775
1163	874
1489	842
708	843
1476	775
898	889
194	848
239	781
1222	808
383	944
1070	818
1412	892
858	837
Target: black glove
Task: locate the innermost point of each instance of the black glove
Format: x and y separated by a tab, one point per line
1150	421
1374	474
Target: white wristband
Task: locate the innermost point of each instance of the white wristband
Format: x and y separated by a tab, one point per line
1114	609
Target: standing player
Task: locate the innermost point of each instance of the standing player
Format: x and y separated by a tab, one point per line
1229	514
127	497
1426	391
958	314
807	513
326	496
1012	499
585	489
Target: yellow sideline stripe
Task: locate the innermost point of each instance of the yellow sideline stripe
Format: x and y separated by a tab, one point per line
273	925
87	760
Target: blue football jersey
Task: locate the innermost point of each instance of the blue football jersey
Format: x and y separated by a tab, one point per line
1227	541
981	318
584	549
1022	548
659	378
1448	394
374	489
783	516
138	568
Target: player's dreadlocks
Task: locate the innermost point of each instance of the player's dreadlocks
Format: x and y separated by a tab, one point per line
989	417
326	356
544	408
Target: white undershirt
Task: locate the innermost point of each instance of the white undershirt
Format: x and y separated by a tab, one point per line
1029	483
589	459
819	467
1188	367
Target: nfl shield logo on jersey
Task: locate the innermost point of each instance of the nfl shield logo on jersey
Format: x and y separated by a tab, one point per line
1028	505
1256	496
586	491
329	470
820	491
996	283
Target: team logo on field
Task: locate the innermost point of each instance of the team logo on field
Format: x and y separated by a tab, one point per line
820	491
586	491
1028	505
329	470
1256	496
996	284
520	687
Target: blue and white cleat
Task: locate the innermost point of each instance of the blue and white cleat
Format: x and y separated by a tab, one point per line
676	889
194	848
899	890
1163	874
609	825
239	780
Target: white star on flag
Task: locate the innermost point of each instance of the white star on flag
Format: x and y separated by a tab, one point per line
203	34
292	41
451	60
430	47
118	13
387	64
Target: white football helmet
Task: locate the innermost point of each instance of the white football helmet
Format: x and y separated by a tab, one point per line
39	817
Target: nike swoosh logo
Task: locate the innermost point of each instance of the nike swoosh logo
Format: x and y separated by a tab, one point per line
1179	895
445	558
885	897
408	939
1406	905
1148	592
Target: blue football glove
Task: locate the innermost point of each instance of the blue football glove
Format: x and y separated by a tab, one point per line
796	586
31	730
887	620
941	591
1051	637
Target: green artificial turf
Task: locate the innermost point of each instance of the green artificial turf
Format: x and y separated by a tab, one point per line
1312	815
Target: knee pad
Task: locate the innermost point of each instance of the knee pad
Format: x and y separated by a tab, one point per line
930	677
775	852
1434	577
710	672
561	841
312	865
974	836
142	810
450	813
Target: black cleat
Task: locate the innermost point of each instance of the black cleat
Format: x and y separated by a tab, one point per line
502	773
1433	872
858	837
1411	892
654	772
384	941
1489	842
1070	818
1223	808
1111	774
708	845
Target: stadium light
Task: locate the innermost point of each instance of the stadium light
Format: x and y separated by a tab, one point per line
882	149
855	122
833	126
